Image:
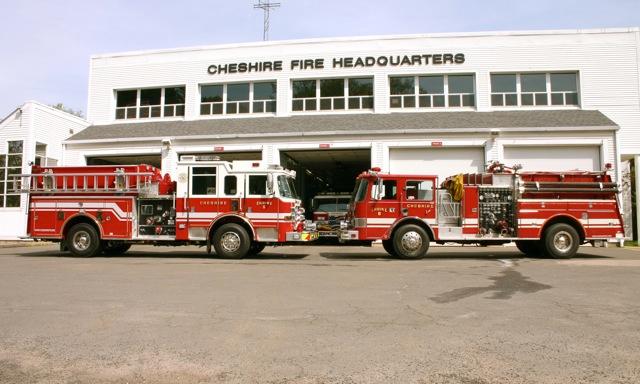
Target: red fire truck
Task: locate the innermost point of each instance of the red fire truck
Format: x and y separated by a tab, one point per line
544	213
238	207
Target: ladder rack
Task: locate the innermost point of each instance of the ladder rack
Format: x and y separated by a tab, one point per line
115	182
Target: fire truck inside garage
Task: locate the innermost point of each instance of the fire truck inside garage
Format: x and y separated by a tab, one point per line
325	171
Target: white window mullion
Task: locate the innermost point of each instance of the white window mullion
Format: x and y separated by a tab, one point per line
224	99
346	94
251	97
518	90
162	102
138	95
446	91
548	81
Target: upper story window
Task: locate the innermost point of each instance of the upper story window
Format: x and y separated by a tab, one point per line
432	91
150	103
238	98
10	164
534	89
332	94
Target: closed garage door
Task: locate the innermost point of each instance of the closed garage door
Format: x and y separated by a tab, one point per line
443	162
554	158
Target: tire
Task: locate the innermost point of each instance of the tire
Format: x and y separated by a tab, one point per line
388	246
410	242
531	248
83	240
256	248
561	241
115	249
231	241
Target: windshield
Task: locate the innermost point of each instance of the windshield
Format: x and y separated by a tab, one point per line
286	186
360	190
330	204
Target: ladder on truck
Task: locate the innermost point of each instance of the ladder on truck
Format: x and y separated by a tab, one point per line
119	181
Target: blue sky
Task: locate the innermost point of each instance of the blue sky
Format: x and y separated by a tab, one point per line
47	44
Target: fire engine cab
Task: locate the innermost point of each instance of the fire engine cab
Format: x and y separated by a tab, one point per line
237	207
544	213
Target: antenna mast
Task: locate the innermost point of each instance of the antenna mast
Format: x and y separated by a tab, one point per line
266	6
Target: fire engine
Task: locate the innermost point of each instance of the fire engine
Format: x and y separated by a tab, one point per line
544	213
237	207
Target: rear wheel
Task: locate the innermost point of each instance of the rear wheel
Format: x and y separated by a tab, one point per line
83	240
561	241
410	242
231	241
531	248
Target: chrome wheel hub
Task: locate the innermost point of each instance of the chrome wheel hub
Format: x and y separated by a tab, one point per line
411	241
230	241
562	241
81	240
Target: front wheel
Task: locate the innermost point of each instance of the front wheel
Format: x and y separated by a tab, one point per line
231	241
83	240
561	241
411	242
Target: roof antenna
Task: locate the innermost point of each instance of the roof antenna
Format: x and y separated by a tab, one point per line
266	6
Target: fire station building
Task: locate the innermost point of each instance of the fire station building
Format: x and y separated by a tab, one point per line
331	108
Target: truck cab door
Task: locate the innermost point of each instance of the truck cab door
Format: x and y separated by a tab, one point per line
418	199
202	202
261	209
383	210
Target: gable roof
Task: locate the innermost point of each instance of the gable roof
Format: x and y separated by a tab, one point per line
345	124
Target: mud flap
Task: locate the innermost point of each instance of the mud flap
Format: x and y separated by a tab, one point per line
208	244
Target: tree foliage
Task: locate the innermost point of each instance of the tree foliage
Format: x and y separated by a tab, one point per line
64	108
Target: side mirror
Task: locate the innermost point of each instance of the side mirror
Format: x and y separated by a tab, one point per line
270	189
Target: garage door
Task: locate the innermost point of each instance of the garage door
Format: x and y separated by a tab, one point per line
554	158
436	161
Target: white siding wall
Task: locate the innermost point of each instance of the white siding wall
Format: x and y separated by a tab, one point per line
35	123
607	62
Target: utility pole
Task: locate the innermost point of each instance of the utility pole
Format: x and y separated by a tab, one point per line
266	6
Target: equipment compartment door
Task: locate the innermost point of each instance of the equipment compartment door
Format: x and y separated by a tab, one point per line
44	217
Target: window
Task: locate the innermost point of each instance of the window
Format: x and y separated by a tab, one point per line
264	97
332	94
360	93
419	190
286	186
257	185
41	154
534	89
564	89
150	103
432	91
211	99
230	185
238	98
390	189
361	190
203	180
504	90
10	164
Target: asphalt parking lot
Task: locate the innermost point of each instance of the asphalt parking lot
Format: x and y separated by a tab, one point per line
319	315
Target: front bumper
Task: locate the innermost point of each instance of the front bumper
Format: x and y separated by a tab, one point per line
346	235
303	236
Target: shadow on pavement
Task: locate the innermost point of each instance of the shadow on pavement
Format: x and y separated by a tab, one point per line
266	255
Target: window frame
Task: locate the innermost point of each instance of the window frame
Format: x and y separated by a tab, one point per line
5	181
415	97
345	100
225	100
549	93
192	175
163	107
